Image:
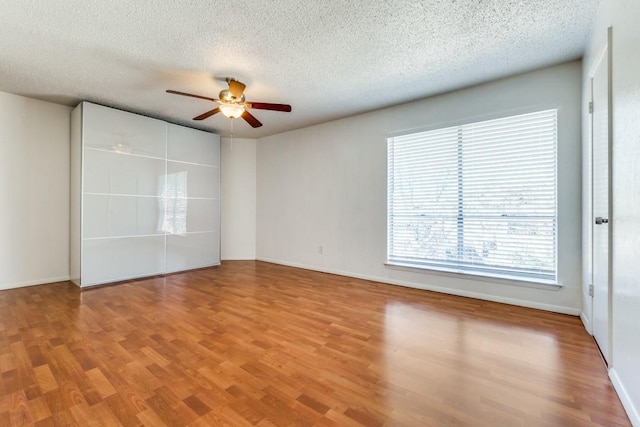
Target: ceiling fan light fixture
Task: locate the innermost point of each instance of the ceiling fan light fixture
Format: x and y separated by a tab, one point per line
232	111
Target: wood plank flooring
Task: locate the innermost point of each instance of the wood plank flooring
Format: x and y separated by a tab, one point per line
251	343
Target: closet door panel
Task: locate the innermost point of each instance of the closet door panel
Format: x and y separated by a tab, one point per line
193	250
122	216
194	180
114	259
113	173
119	131
192	146
203	215
191	215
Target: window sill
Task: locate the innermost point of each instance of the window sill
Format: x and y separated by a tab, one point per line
503	280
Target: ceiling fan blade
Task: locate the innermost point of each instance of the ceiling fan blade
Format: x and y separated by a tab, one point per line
207	114
175	92
267	106
236	88
249	118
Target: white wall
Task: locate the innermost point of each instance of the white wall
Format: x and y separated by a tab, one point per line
326	186
238	194
624	17
34	187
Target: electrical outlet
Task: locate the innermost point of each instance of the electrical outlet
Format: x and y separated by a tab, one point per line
320	249
590	290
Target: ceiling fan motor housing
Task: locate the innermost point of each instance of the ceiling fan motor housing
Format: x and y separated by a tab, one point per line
226	97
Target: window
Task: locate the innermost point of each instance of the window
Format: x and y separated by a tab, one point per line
478	198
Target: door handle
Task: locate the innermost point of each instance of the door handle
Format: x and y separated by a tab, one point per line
600	220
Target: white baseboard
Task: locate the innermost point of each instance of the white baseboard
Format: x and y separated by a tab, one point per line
238	258
629	405
522	303
14	285
586	322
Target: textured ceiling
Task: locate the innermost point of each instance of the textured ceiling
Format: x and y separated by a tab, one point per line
328	59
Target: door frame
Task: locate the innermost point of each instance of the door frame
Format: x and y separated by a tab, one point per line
606	50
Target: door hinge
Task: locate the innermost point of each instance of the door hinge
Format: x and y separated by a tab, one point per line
591	107
590	290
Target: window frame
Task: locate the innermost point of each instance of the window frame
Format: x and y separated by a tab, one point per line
431	267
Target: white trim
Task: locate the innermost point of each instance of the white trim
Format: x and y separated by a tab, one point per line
193	163
146	276
108	150
83	153
148	196
632	412
142	196
165	197
586	322
239	258
484	277
522	303
134	236
611	213
118	280
45	281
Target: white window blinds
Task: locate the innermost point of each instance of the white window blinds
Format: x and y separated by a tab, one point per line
479	198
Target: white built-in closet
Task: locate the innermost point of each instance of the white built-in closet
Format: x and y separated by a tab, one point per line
145	196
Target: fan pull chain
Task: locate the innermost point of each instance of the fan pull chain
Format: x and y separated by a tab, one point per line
231	143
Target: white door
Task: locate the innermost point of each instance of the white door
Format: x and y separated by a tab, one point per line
600	175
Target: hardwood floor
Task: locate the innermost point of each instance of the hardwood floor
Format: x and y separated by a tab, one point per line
252	343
